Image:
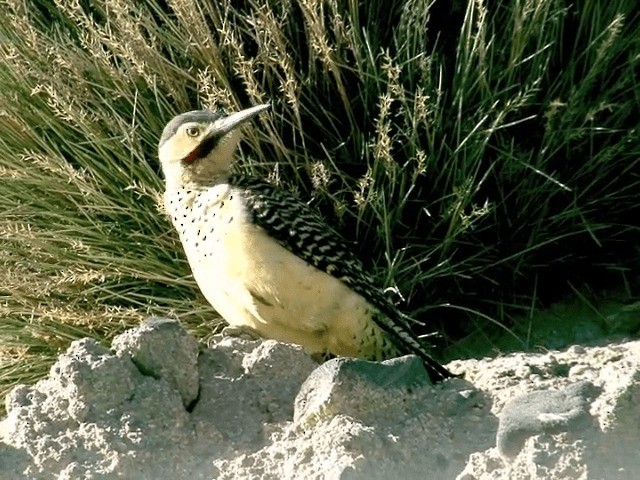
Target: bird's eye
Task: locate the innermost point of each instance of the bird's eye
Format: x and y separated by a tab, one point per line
192	131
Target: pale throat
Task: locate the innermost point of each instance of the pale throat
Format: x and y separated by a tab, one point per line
214	168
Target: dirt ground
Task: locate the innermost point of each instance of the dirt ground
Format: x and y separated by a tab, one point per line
155	405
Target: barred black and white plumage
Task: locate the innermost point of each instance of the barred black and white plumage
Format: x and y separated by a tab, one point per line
304	233
265	260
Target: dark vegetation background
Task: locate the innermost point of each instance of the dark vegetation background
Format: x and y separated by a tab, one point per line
483	158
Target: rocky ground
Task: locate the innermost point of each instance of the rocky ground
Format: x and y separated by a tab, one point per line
156	406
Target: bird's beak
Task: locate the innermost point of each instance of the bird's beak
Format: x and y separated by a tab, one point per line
220	129
234	120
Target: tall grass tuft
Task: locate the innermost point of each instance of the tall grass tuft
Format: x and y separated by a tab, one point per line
480	157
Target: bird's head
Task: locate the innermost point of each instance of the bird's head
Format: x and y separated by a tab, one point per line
197	147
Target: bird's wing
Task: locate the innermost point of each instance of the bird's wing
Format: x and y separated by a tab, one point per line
304	233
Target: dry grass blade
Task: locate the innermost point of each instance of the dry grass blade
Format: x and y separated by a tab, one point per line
466	148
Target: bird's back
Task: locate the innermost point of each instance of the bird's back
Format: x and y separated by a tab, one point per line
301	231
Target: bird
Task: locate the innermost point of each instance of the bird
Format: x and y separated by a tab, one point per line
265	260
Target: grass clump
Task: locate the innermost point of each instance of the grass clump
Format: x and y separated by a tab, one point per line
481	156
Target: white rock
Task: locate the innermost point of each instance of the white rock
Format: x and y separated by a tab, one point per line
153	408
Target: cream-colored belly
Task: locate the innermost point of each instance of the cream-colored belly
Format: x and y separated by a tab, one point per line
253	281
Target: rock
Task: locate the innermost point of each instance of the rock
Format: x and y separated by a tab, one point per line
574	416
342	384
154	407
543	411
161	348
95	414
